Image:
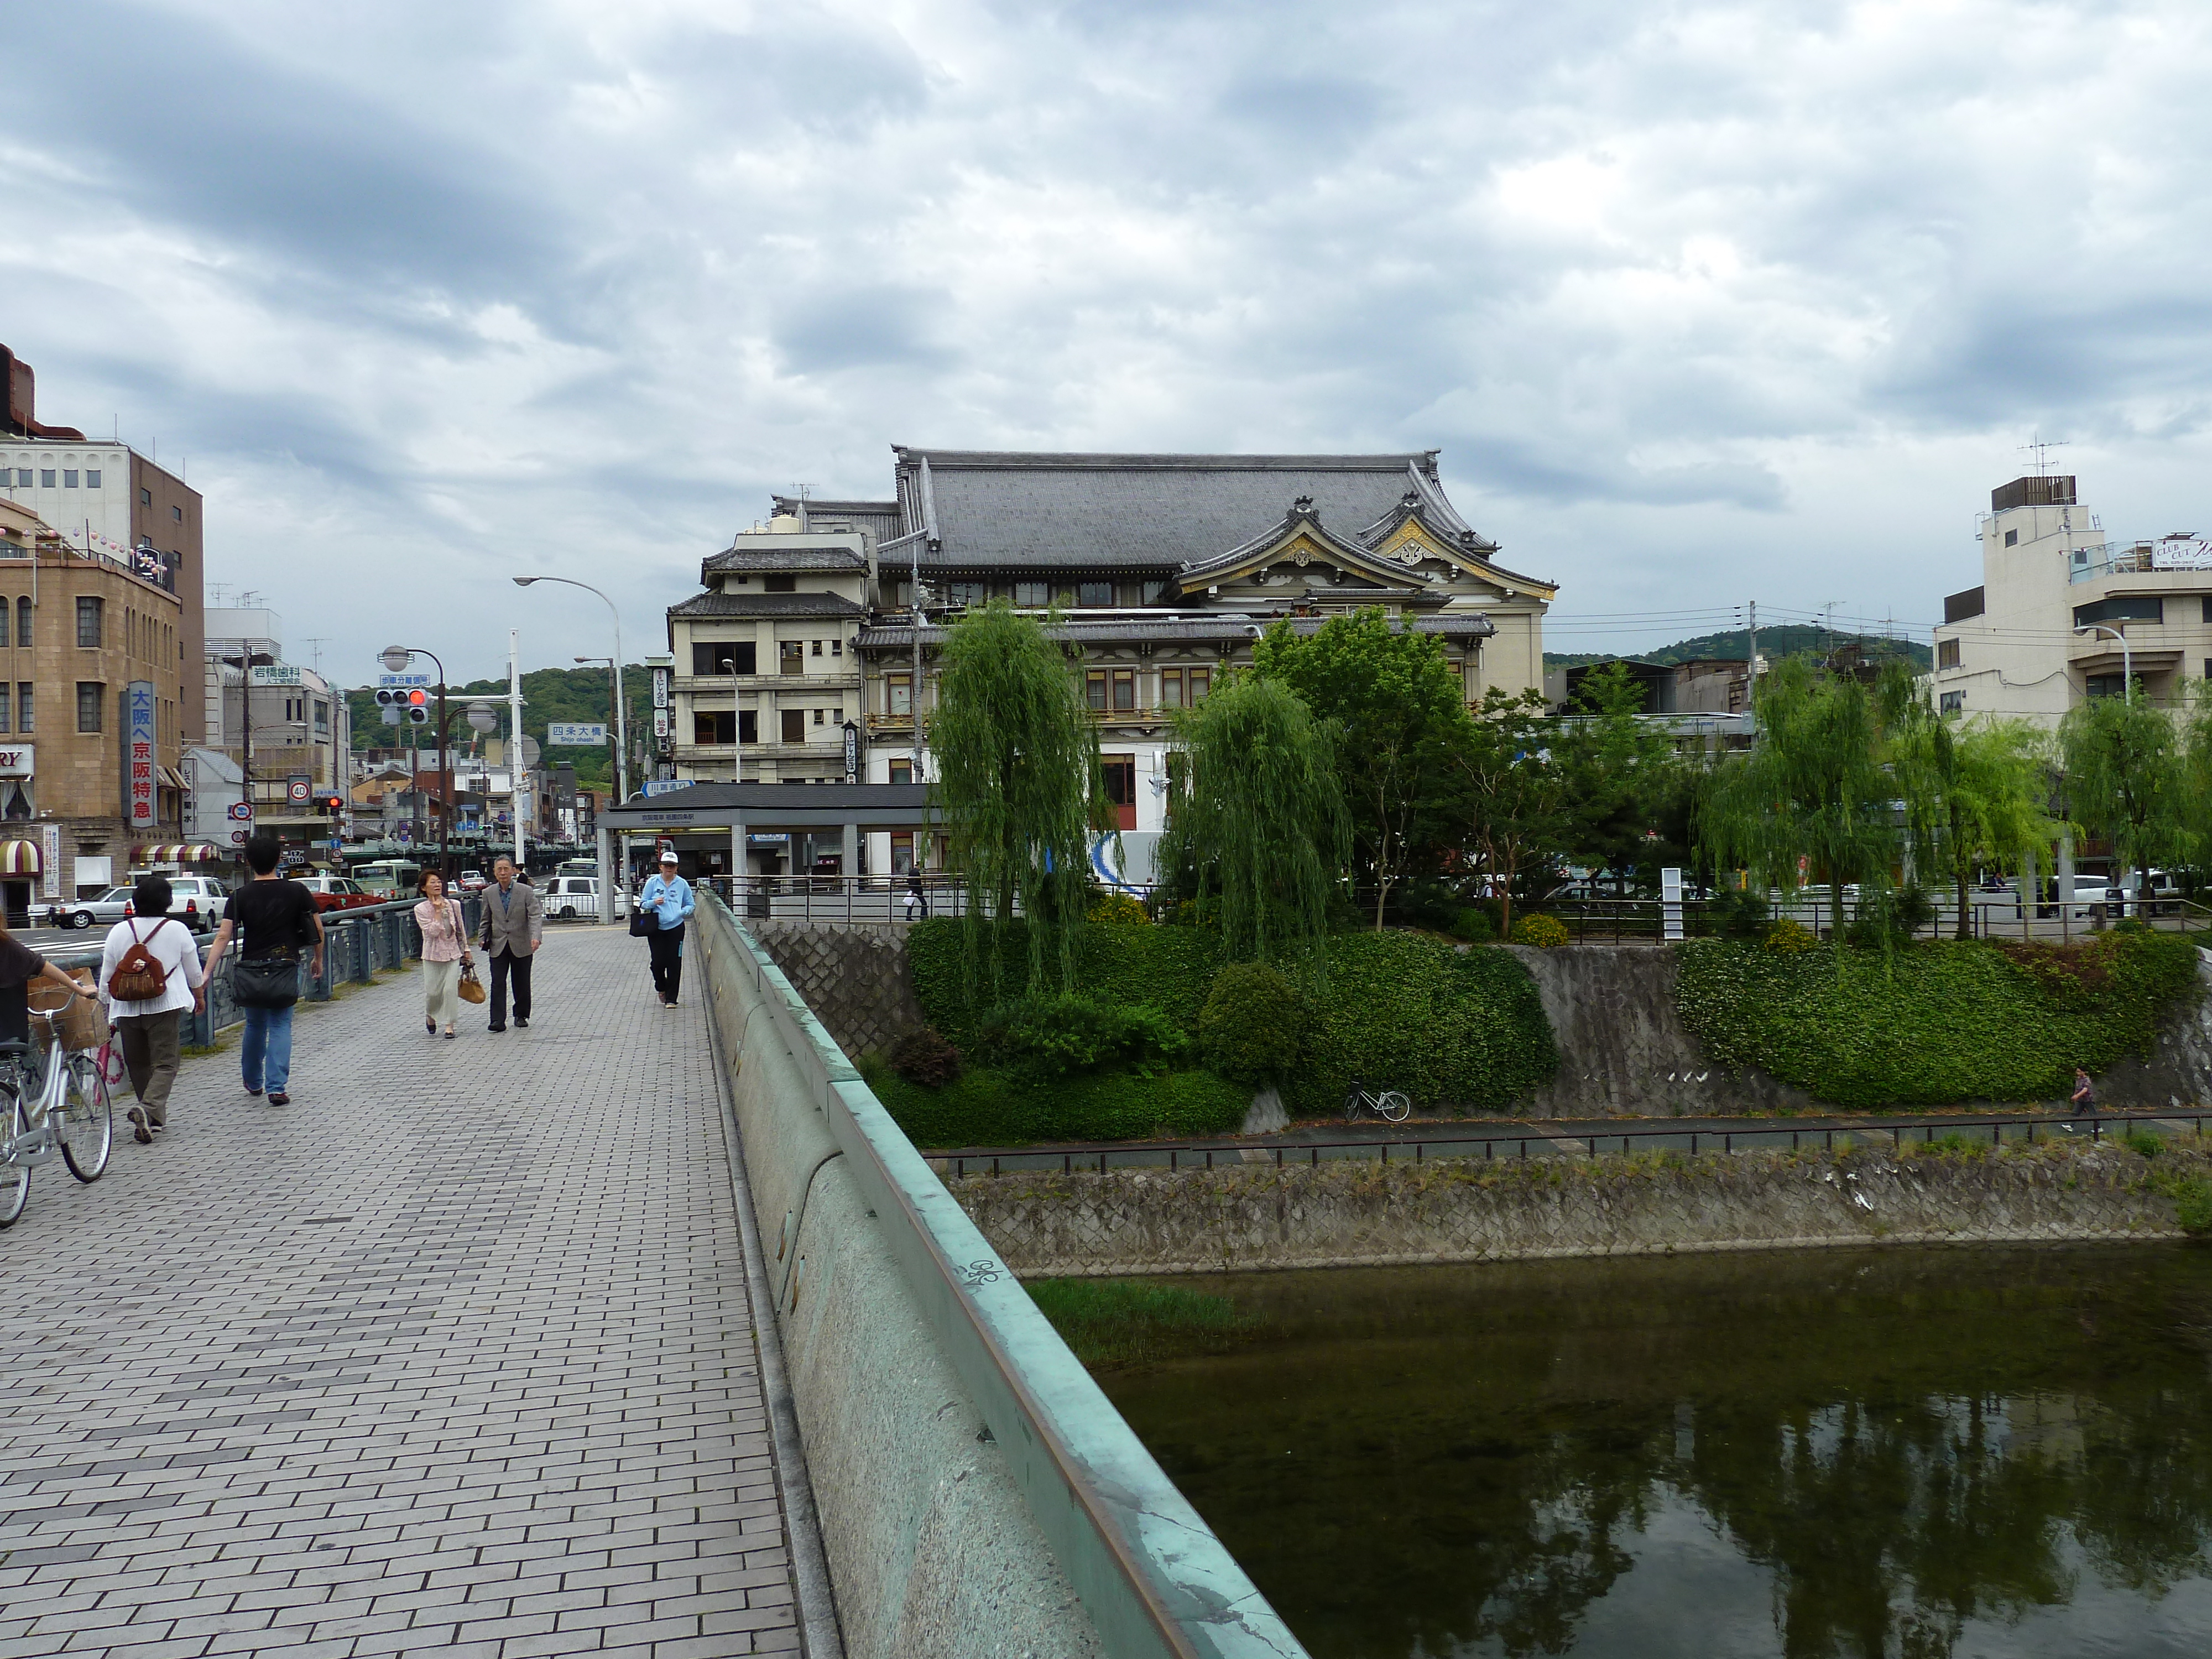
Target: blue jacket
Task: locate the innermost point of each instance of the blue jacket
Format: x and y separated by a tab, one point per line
672	899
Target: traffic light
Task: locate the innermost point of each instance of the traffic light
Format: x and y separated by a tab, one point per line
418	707
330	805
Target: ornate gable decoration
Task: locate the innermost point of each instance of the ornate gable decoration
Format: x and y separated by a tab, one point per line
1302	540
1406	535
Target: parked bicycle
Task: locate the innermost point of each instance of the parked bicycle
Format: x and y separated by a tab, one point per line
1389	1105
52	1102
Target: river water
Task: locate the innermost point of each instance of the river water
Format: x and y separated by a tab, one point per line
1905	1453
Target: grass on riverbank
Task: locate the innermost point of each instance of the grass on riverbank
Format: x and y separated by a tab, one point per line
1112	1322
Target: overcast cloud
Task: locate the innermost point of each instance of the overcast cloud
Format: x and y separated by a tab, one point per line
1702	302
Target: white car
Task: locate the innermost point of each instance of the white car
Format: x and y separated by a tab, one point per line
573	898
111	906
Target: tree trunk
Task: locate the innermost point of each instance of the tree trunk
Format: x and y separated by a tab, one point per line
1965	930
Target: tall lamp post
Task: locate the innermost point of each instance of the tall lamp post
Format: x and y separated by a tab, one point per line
621	722
2127	658
395	658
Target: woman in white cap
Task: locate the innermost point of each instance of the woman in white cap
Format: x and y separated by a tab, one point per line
668	896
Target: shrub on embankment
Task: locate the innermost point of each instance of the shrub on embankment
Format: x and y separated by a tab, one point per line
1455	1029
1935	1024
986	1107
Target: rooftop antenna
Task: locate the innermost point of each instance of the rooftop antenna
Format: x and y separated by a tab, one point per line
318	644
216	591
2039	448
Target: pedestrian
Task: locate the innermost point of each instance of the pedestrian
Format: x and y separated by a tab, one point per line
916	894
2085	1092
444	952
149	974
275	918
669	896
513	928
19	965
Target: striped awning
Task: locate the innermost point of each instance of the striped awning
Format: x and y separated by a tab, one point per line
189	852
20	858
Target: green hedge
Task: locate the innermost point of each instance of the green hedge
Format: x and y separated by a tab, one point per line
1455	1030
1933	1024
991	1108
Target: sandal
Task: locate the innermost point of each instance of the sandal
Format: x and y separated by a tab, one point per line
431	1026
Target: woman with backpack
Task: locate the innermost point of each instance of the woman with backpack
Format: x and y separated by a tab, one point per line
149	974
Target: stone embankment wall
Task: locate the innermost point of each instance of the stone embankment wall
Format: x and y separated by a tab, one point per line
853	978
1347	1214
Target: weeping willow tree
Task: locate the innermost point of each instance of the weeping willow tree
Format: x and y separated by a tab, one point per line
1257	817
1017	786
1811	788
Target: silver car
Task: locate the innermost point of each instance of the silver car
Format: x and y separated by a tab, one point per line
111	906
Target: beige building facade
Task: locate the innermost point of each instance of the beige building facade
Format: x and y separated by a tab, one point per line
2063	613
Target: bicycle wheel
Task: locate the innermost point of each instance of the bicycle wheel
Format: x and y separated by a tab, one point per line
85	1121
14	1174
1393	1106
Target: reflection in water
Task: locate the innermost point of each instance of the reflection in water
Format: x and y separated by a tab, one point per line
1879	1455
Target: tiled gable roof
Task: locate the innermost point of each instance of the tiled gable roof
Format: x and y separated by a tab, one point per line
767	604
742	557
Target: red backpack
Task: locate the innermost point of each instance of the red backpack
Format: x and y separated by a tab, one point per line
138	977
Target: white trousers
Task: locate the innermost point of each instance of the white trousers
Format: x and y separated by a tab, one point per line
441	994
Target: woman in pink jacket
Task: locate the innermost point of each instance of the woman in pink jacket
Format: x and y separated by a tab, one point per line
444	953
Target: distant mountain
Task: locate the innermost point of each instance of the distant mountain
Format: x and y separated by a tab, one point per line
1793	640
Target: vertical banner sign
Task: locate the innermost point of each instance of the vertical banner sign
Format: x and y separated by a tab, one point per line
852	752
660	724
1670	904
50	860
139	800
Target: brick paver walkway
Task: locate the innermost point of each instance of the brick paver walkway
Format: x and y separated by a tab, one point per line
453	1353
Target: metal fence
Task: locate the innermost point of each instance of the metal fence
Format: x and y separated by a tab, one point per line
848	901
1632	921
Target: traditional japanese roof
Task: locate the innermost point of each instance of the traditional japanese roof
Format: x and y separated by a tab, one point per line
1178	629
767	604
744	558
991	510
879	518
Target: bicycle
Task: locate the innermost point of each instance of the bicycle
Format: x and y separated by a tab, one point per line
70	1112
1389	1105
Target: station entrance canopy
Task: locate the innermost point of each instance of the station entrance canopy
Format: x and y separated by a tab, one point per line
729	813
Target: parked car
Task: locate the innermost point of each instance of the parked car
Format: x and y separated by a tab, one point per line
111	906
337	892
571	898
198	901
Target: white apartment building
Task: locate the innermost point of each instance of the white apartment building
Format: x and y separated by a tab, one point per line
2063	613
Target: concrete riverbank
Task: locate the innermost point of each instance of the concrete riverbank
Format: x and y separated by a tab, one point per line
1050	1225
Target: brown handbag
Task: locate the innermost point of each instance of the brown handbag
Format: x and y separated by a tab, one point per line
472	988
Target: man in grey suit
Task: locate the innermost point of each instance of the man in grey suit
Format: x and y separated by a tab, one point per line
514	928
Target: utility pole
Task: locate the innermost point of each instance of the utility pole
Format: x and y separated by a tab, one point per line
1751	660
515	761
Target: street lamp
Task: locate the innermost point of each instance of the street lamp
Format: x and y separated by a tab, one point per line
2127	658
622	723
395	658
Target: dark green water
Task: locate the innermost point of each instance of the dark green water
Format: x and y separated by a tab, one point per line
1898	1453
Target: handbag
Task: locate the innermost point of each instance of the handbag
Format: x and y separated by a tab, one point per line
264	981
471	988
644	924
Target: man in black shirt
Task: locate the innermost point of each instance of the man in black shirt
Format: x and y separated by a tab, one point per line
275	917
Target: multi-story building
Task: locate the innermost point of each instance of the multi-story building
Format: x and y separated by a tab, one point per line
2063	614
287	728
1159	572
102	497
92	706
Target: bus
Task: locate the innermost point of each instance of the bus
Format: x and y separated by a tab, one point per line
389	879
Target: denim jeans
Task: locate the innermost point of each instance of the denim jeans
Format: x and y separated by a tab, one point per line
265	1055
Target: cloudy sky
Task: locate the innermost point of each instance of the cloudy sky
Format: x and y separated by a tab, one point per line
1702	303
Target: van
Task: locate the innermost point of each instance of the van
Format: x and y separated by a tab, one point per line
576	898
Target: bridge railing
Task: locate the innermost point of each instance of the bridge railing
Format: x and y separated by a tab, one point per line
1153	1577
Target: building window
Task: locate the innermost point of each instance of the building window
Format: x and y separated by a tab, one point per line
23	706
2106	685
1946	654
791	657
1154	591
1954	702
1120	777
1094	690
1032	596
2012	538
1201	682
2207	607
87	624
145	497
1171	688
779	584
901	839
817	646
723	657
92	478
323	718
821	716
91	698
794	725
3	709
1125	690
177	513
1094	596
719	725
2121	607
748	725
903	772
45	477
23	623
898	696
967	592
69	478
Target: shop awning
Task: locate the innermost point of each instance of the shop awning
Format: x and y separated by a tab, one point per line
20	858
189	852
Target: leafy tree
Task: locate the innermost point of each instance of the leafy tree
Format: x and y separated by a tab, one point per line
2126	780
1811	788
1514	795
1399	712
1257	817
1973	794
1620	774
1019	783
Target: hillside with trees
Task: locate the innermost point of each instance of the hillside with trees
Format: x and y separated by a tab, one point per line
1789	640
548	695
